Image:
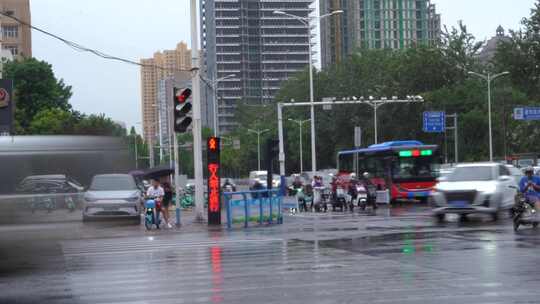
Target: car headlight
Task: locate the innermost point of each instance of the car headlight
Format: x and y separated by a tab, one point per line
133	199
90	198
489	190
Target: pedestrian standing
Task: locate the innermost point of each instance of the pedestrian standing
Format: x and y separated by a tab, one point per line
167	198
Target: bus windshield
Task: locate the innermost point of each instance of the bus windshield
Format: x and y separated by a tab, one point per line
418	168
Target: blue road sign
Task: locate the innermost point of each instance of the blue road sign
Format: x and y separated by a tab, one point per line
434	122
527	113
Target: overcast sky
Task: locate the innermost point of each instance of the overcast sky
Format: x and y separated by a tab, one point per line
134	29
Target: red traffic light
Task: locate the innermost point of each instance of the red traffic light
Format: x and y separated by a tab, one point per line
182	95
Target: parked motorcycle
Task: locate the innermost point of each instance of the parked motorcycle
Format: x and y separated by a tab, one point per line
524	211
70	204
186	199
41	202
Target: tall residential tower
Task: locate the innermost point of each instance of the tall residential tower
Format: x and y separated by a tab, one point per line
394	24
246	39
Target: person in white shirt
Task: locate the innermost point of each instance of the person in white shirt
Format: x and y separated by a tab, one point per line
155	191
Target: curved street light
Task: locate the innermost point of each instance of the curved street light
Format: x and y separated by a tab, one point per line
306	22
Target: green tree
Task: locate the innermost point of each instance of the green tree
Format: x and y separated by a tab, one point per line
36	89
98	125
52	121
521	55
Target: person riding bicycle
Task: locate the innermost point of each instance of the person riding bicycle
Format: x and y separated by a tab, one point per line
530	183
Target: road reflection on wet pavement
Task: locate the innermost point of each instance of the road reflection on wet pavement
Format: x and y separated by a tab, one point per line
401	255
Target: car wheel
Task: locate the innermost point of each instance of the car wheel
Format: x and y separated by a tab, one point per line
516	225
440	217
511	212
535	225
495	216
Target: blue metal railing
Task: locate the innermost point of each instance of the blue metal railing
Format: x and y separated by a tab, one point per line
272	199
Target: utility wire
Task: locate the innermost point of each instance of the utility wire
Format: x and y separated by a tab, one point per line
82	48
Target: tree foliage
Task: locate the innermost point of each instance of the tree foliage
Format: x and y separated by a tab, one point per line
521	55
438	73
42	103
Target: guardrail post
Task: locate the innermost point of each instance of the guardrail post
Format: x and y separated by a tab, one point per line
280	216
261	211
229	217
246	210
269	197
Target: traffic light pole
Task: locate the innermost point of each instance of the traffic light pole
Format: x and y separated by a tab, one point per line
197	127
177	185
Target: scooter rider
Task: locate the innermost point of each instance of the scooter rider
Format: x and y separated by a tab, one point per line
156	193
228	183
530	183
353	192
370	188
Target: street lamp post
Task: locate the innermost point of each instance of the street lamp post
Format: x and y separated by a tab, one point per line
489	78
136	153
259	133
214	83
306	22
376	104
300	123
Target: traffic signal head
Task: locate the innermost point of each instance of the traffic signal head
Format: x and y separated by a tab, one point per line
182	108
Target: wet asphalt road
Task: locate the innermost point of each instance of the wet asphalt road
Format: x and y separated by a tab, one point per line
399	256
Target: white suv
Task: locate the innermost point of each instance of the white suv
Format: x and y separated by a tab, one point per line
474	188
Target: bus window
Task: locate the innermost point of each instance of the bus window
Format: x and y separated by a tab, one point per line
373	165
413	168
346	163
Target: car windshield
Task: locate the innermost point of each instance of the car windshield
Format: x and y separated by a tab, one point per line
113	183
479	173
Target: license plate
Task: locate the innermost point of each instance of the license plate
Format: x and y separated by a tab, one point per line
110	208
459	204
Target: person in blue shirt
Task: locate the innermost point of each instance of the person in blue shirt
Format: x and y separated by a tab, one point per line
530	183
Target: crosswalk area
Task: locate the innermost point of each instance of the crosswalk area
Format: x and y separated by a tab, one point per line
161	270
324	258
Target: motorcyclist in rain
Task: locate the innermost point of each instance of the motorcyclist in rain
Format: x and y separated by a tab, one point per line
228	183
371	189
530	184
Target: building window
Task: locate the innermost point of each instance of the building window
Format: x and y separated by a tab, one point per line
10	31
13	49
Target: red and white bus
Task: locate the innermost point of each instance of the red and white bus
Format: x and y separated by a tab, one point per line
407	168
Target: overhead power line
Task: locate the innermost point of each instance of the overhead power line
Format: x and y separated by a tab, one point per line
82	48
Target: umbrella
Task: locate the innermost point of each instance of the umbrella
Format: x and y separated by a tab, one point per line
157	172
